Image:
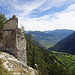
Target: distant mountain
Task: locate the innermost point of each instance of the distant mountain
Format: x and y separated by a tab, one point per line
49	38
61	34
35	41
45	39
66	45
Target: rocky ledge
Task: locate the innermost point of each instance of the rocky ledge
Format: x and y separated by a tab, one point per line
16	67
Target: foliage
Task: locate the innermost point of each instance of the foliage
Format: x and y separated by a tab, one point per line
1	23
2	19
2	16
67	59
45	62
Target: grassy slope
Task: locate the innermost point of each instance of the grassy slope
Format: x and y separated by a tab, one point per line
67	59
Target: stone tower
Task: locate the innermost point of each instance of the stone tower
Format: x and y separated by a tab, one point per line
13	40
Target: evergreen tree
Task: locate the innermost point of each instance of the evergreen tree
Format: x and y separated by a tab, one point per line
2	19
1	23
2	16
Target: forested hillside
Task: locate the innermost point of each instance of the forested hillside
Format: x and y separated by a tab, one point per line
66	45
49	38
66	58
47	63
45	39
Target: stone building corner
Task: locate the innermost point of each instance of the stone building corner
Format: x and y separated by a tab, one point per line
12	39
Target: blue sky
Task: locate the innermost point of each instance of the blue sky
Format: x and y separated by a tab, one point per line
41	14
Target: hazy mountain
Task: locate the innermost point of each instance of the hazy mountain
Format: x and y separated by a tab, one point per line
35	41
61	34
66	45
50	38
45	39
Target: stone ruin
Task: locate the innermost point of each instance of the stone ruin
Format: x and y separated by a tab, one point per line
12	39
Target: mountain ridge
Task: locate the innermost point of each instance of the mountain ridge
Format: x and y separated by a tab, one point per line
66	45
49	38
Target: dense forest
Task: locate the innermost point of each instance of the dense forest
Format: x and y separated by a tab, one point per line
47	63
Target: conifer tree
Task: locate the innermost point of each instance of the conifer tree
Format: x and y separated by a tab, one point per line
2	16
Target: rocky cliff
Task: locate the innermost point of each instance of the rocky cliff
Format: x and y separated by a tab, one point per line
12	66
21	46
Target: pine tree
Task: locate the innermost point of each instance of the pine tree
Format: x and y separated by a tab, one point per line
1	23
2	16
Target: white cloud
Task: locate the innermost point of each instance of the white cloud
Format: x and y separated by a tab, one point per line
56	3
60	20
23	9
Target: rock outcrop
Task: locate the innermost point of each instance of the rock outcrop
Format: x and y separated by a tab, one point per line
14	66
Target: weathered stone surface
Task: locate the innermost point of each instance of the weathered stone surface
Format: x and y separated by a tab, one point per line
16	67
13	40
11	24
21	46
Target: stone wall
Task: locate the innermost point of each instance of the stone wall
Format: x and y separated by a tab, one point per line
11	24
21	46
13	40
10	39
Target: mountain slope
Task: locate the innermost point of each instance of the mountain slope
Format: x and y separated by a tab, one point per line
66	45
45	39
50	38
35	41
61	34
47	63
66	58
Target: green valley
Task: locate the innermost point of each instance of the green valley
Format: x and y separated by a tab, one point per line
67	59
49	38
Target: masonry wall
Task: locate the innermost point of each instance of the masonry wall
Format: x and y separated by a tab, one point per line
10	39
1	40
13	40
21	46
11	24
